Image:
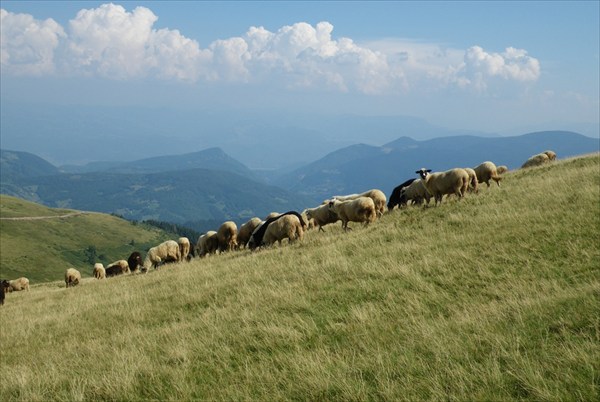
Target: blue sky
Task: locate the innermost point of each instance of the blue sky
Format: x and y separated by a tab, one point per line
504	67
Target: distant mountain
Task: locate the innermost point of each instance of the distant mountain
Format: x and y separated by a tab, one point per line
358	168
212	158
15	165
182	197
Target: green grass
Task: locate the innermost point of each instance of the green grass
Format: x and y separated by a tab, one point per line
495	297
41	249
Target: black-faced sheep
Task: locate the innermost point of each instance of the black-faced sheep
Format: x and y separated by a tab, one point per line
396	192
536	160
321	215
184	248
378	197
135	261
473	181
227	235
361	209
487	171
119	267
415	192
257	237
551	155
99	272
207	243
72	277
167	251
19	284
246	231
453	181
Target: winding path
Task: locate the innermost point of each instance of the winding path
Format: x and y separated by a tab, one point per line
34	218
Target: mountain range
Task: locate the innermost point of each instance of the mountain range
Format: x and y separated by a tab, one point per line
204	188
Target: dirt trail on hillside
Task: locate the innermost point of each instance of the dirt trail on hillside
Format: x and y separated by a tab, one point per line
34	218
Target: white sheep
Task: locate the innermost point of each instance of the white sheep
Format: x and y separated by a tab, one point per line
18	284
415	192
536	160
502	169
378	197
321	215
551	155
473	181
487	171
453	181
99	271
207	243
227	235
184	248
246	231
257	237
167	251
286	227
361	209
72	277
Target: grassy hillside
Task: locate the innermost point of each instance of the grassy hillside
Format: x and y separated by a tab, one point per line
41	249
495	297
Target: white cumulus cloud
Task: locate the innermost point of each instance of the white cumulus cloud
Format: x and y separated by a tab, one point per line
114	43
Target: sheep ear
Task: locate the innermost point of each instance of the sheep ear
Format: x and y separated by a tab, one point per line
428	170
417	171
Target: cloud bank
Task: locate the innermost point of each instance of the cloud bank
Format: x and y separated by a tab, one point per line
112	43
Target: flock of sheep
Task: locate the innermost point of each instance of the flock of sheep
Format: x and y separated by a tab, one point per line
365	208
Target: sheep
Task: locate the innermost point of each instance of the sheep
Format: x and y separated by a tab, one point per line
99	271
551	155
453	181
395	196
256	240
167	251
310	222
321	216
72	277
246	231
208	243
19	284
486	171
117	268
378	197
134	261
227	236
361	209
272	215
536	160
4	286
415	192
288	226
501	169
184	248
473	181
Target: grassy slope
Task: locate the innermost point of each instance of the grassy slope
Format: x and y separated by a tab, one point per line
42	249
495	297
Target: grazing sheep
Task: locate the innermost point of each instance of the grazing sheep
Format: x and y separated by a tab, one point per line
395	196
453	181
378	197
486	171
119	267
246	231
536	160
208	243
99	271
361	209
321	216
72	277
167	251
227	235
272	215
287	227
184	248
473	182
135	261
551	155
501	169
19	284
256	240
415	192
